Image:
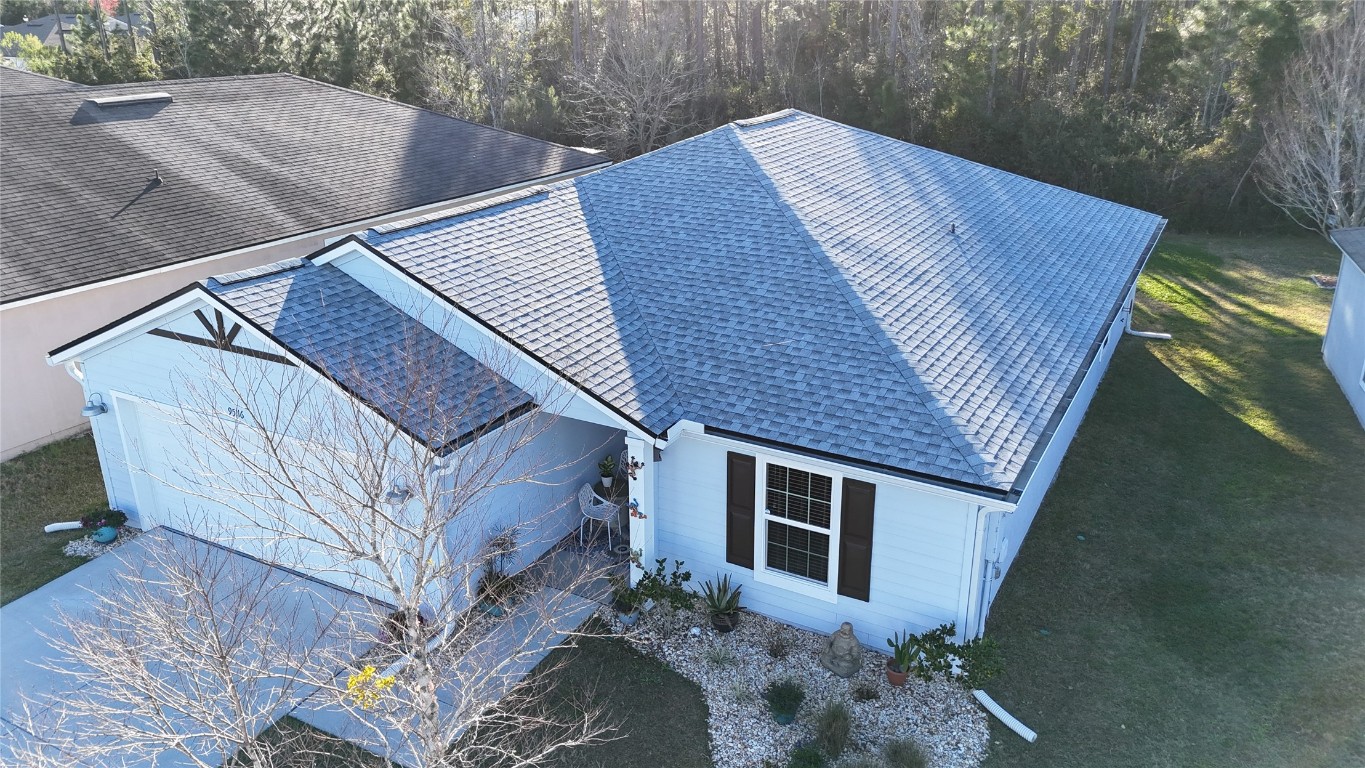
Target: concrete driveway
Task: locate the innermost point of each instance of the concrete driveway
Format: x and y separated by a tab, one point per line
313	618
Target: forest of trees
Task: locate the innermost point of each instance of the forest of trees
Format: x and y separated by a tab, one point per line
1161	104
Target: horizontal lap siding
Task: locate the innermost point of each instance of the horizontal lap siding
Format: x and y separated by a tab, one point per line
1343	348
1016	524
920	547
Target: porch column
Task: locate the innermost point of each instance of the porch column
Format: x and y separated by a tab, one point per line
642	498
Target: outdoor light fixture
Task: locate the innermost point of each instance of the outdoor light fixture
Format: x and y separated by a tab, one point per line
398	493
94	406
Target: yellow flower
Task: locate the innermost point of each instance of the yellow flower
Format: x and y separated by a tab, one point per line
365	689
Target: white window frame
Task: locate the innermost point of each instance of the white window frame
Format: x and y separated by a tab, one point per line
827	591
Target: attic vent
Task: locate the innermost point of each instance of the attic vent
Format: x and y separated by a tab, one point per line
769	118
263	271
482	205
129	99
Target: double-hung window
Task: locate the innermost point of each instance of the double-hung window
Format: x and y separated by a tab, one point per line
798	528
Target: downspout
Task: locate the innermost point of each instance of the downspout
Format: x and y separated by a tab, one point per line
1128	321
73	369
976	597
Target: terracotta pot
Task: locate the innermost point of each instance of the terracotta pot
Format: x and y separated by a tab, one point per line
894	676
725	622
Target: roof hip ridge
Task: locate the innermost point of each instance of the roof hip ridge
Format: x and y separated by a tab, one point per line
610	251
934	405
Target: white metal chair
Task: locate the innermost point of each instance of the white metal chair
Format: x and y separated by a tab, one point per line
596	508
623	466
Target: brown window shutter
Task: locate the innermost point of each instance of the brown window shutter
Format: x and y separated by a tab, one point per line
739	509
855	539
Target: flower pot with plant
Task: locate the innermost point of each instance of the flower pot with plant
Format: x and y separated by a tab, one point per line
722	603
496	587
104	524
784	698
902	652
607	468
626	600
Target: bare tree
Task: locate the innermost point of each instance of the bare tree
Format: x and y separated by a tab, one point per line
639	91
192	651
494	45
1313	163
402	472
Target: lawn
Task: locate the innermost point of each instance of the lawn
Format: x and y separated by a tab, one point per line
56	483
1213	613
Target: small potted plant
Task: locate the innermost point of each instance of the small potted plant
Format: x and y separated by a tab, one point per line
784	699
496	587
105	523
902	652
626	600
607	468
722	603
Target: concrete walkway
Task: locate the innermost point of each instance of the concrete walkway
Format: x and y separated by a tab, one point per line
321	618
496	663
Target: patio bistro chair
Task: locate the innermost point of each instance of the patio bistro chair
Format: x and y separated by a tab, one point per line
599	509
623	466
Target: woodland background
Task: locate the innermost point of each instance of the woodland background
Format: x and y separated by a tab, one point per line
1159	104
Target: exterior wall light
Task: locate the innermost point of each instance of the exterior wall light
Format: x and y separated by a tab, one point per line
94	406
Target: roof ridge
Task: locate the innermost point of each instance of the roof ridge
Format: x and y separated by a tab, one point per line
934	405
489	203
667	375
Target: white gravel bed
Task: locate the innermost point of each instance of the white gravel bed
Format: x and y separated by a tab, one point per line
733	669
88	548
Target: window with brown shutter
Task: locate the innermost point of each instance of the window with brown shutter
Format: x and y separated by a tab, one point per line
739	509
855	539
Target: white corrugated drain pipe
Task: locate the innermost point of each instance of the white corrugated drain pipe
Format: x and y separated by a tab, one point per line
1005	717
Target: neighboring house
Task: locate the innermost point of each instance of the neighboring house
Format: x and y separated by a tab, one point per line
49	33
848	366
113	196
1343	347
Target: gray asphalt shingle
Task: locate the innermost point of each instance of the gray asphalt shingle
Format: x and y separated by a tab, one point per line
798	280
241	161
410	373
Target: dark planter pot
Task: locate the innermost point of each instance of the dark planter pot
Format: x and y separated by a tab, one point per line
491	608
725	622
893	675
783	718
627	613
105	534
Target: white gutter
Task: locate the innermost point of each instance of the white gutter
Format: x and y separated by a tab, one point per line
340	230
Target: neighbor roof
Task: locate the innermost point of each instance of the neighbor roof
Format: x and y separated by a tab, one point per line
240	161
408	372
1352	243
800	281
15	82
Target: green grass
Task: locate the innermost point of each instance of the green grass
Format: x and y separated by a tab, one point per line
53	484
659	716
1214	612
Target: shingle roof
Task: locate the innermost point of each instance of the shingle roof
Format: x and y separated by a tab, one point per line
1351	241
241	161
801	281
411	374
15	82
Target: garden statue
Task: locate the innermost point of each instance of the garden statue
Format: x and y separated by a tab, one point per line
843	654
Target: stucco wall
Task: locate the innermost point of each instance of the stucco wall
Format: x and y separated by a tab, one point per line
1343	348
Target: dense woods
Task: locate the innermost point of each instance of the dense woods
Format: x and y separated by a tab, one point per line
1161	104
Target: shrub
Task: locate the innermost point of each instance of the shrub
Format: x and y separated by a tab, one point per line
663	587
785	696
862	761
778	643
720	656
865	691
719	597
806	756
102	517
904	753
980	661
832	726
934	648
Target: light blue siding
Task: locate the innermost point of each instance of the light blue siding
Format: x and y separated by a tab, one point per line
1343	348
921	549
